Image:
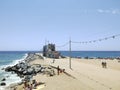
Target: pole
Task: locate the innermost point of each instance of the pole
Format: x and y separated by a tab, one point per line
70	53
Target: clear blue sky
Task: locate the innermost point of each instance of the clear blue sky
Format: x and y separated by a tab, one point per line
26	24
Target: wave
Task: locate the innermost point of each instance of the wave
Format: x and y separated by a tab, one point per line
14	62
11	78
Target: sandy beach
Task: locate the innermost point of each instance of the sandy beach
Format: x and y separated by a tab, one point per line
86	74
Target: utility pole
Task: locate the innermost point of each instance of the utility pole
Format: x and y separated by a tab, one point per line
45	41
70	53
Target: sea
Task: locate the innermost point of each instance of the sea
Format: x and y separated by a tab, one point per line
92	54
10	58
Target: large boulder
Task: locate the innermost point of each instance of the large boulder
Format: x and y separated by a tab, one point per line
8	69
3	84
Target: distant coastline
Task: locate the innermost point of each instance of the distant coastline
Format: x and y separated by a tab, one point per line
91	54
75	53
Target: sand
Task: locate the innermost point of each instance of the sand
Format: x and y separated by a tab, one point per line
86	74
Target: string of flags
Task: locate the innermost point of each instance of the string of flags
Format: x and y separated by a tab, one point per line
92	41
97	40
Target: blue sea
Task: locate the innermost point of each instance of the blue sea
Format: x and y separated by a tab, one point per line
91	54
9	58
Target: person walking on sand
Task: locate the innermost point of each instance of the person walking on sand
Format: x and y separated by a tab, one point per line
104	64
53	60
58	70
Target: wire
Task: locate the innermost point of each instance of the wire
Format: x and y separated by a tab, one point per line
97	40
63	45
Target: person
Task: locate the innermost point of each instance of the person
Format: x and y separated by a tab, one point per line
27	87
35	83
53	60
25	84
105	65
31	87
58	69
102	64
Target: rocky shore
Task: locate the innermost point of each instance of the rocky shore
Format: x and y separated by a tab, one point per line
26	71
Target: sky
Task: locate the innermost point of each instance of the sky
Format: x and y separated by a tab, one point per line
30	24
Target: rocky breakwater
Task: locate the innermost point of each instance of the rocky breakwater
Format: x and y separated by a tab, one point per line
26	71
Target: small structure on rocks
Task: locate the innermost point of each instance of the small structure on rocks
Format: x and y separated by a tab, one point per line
50	51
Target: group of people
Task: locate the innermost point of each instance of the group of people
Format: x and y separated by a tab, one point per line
104	64
33	85
60	70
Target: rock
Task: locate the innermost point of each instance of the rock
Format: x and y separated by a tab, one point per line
8	69
2	84
29	71
28	77
3	79
24	73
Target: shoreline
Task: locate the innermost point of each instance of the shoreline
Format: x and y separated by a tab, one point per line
9	78
86	74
